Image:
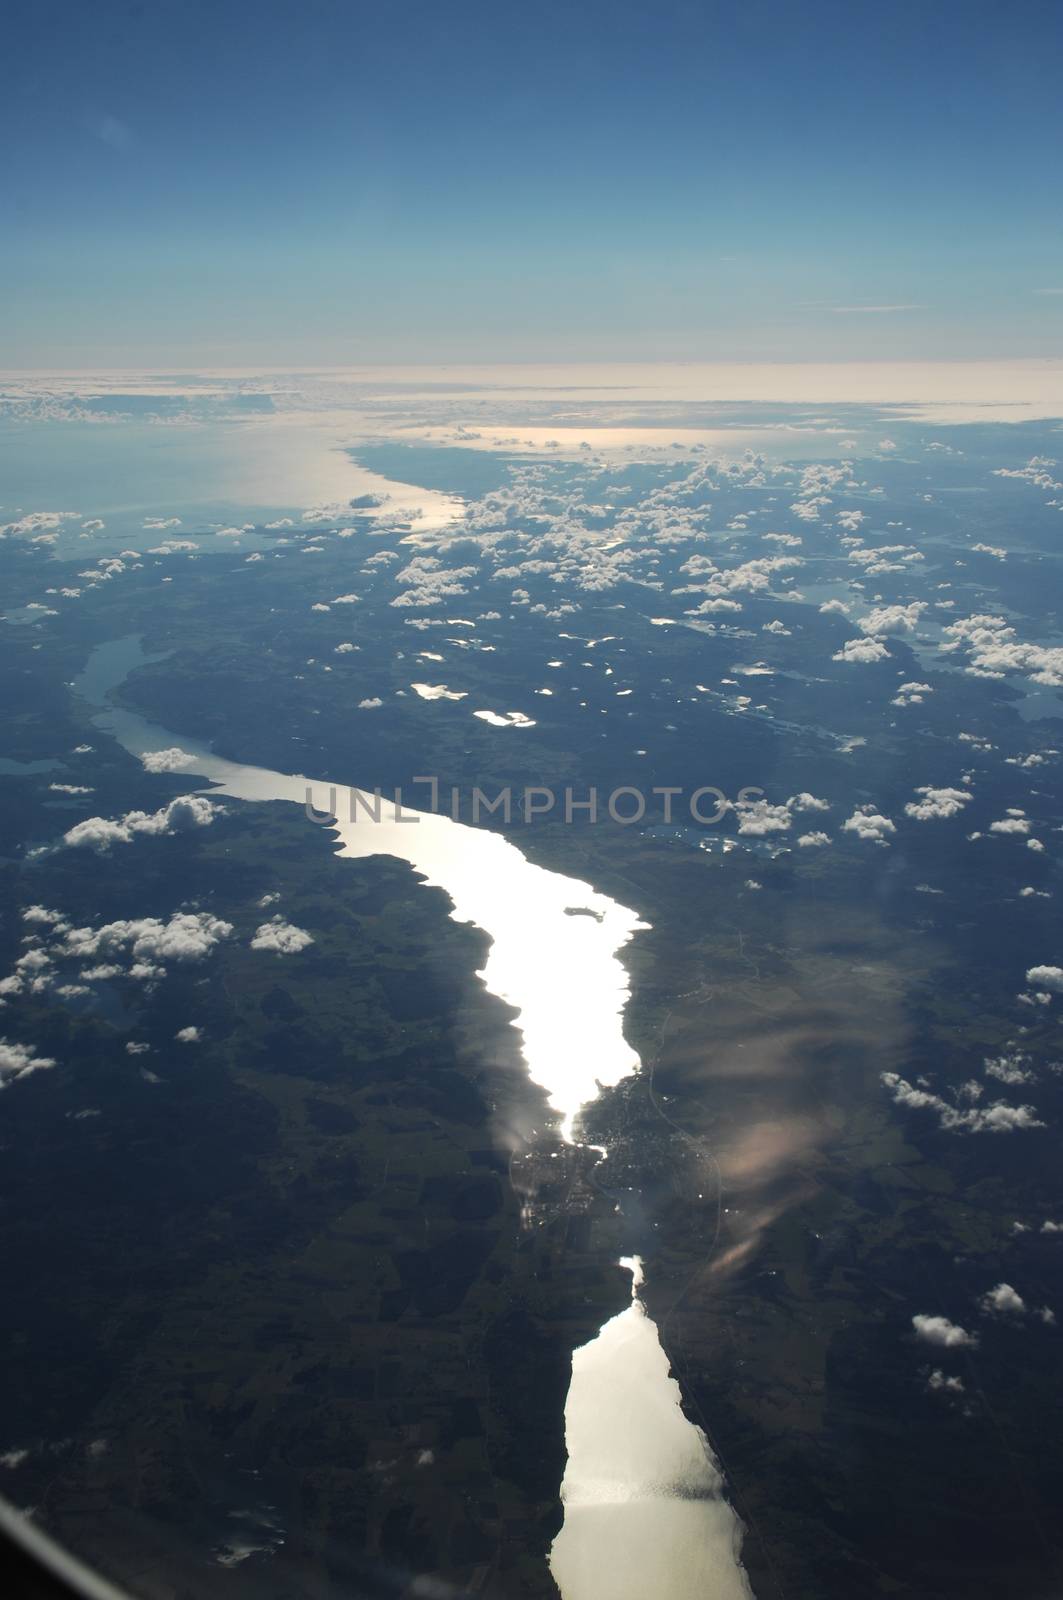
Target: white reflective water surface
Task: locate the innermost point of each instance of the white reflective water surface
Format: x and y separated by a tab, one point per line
643	1494
559	969
644	1510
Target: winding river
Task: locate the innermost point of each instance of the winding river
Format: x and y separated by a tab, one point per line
645	1514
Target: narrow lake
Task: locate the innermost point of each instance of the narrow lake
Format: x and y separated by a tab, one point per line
645	1514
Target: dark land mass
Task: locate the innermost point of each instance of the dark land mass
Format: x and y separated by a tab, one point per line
319	1283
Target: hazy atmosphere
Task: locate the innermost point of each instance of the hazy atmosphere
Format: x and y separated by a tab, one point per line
191	183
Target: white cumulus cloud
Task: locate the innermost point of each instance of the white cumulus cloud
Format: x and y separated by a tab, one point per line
862	651
939	1330
17	1060
1045	978
1003	1300
936	803
282	937
185	812
172	760
869	825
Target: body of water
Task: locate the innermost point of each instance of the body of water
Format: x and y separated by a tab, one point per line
127	473
645	1513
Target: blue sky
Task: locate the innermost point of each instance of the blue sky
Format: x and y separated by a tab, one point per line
210	181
